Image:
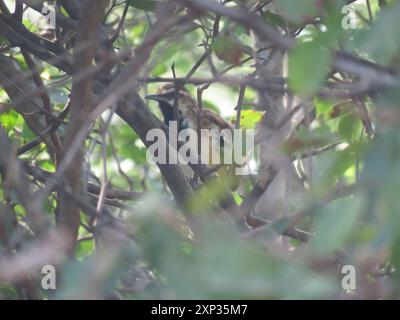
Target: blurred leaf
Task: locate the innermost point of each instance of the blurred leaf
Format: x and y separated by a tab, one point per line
317	137
208	196
228	49
84	249
169	52
9	119
382	162
7	292
332	19
341	109
158	70
381	42
348	127
308	66
322	106
223	263
47	165
298	11
330	166
249	118
137	31
334	223
343	160
27	133
129	151
97	275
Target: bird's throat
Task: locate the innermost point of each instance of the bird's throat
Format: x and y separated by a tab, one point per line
167	111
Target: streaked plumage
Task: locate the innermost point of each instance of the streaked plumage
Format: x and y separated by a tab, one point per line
187	118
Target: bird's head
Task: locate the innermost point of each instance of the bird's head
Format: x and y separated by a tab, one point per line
166	99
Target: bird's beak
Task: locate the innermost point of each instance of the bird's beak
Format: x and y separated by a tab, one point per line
156	97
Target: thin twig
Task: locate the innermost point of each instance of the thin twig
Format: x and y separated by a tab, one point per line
238	107
120	24
369	11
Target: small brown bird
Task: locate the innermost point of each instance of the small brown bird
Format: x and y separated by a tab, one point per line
188	109
187	112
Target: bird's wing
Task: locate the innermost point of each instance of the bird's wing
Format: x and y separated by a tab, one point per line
212	120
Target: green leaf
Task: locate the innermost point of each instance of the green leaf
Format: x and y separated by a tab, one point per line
348	126
169	52
343	160
249	118
9	119
27	133
334	223
322	107
308	66
382	41
158	70
98	274
297	11
381	165
221	275
47	165
7	291
228	49
137	31
207	197
332	22
84	249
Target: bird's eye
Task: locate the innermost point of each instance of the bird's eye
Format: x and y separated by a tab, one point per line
221	141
